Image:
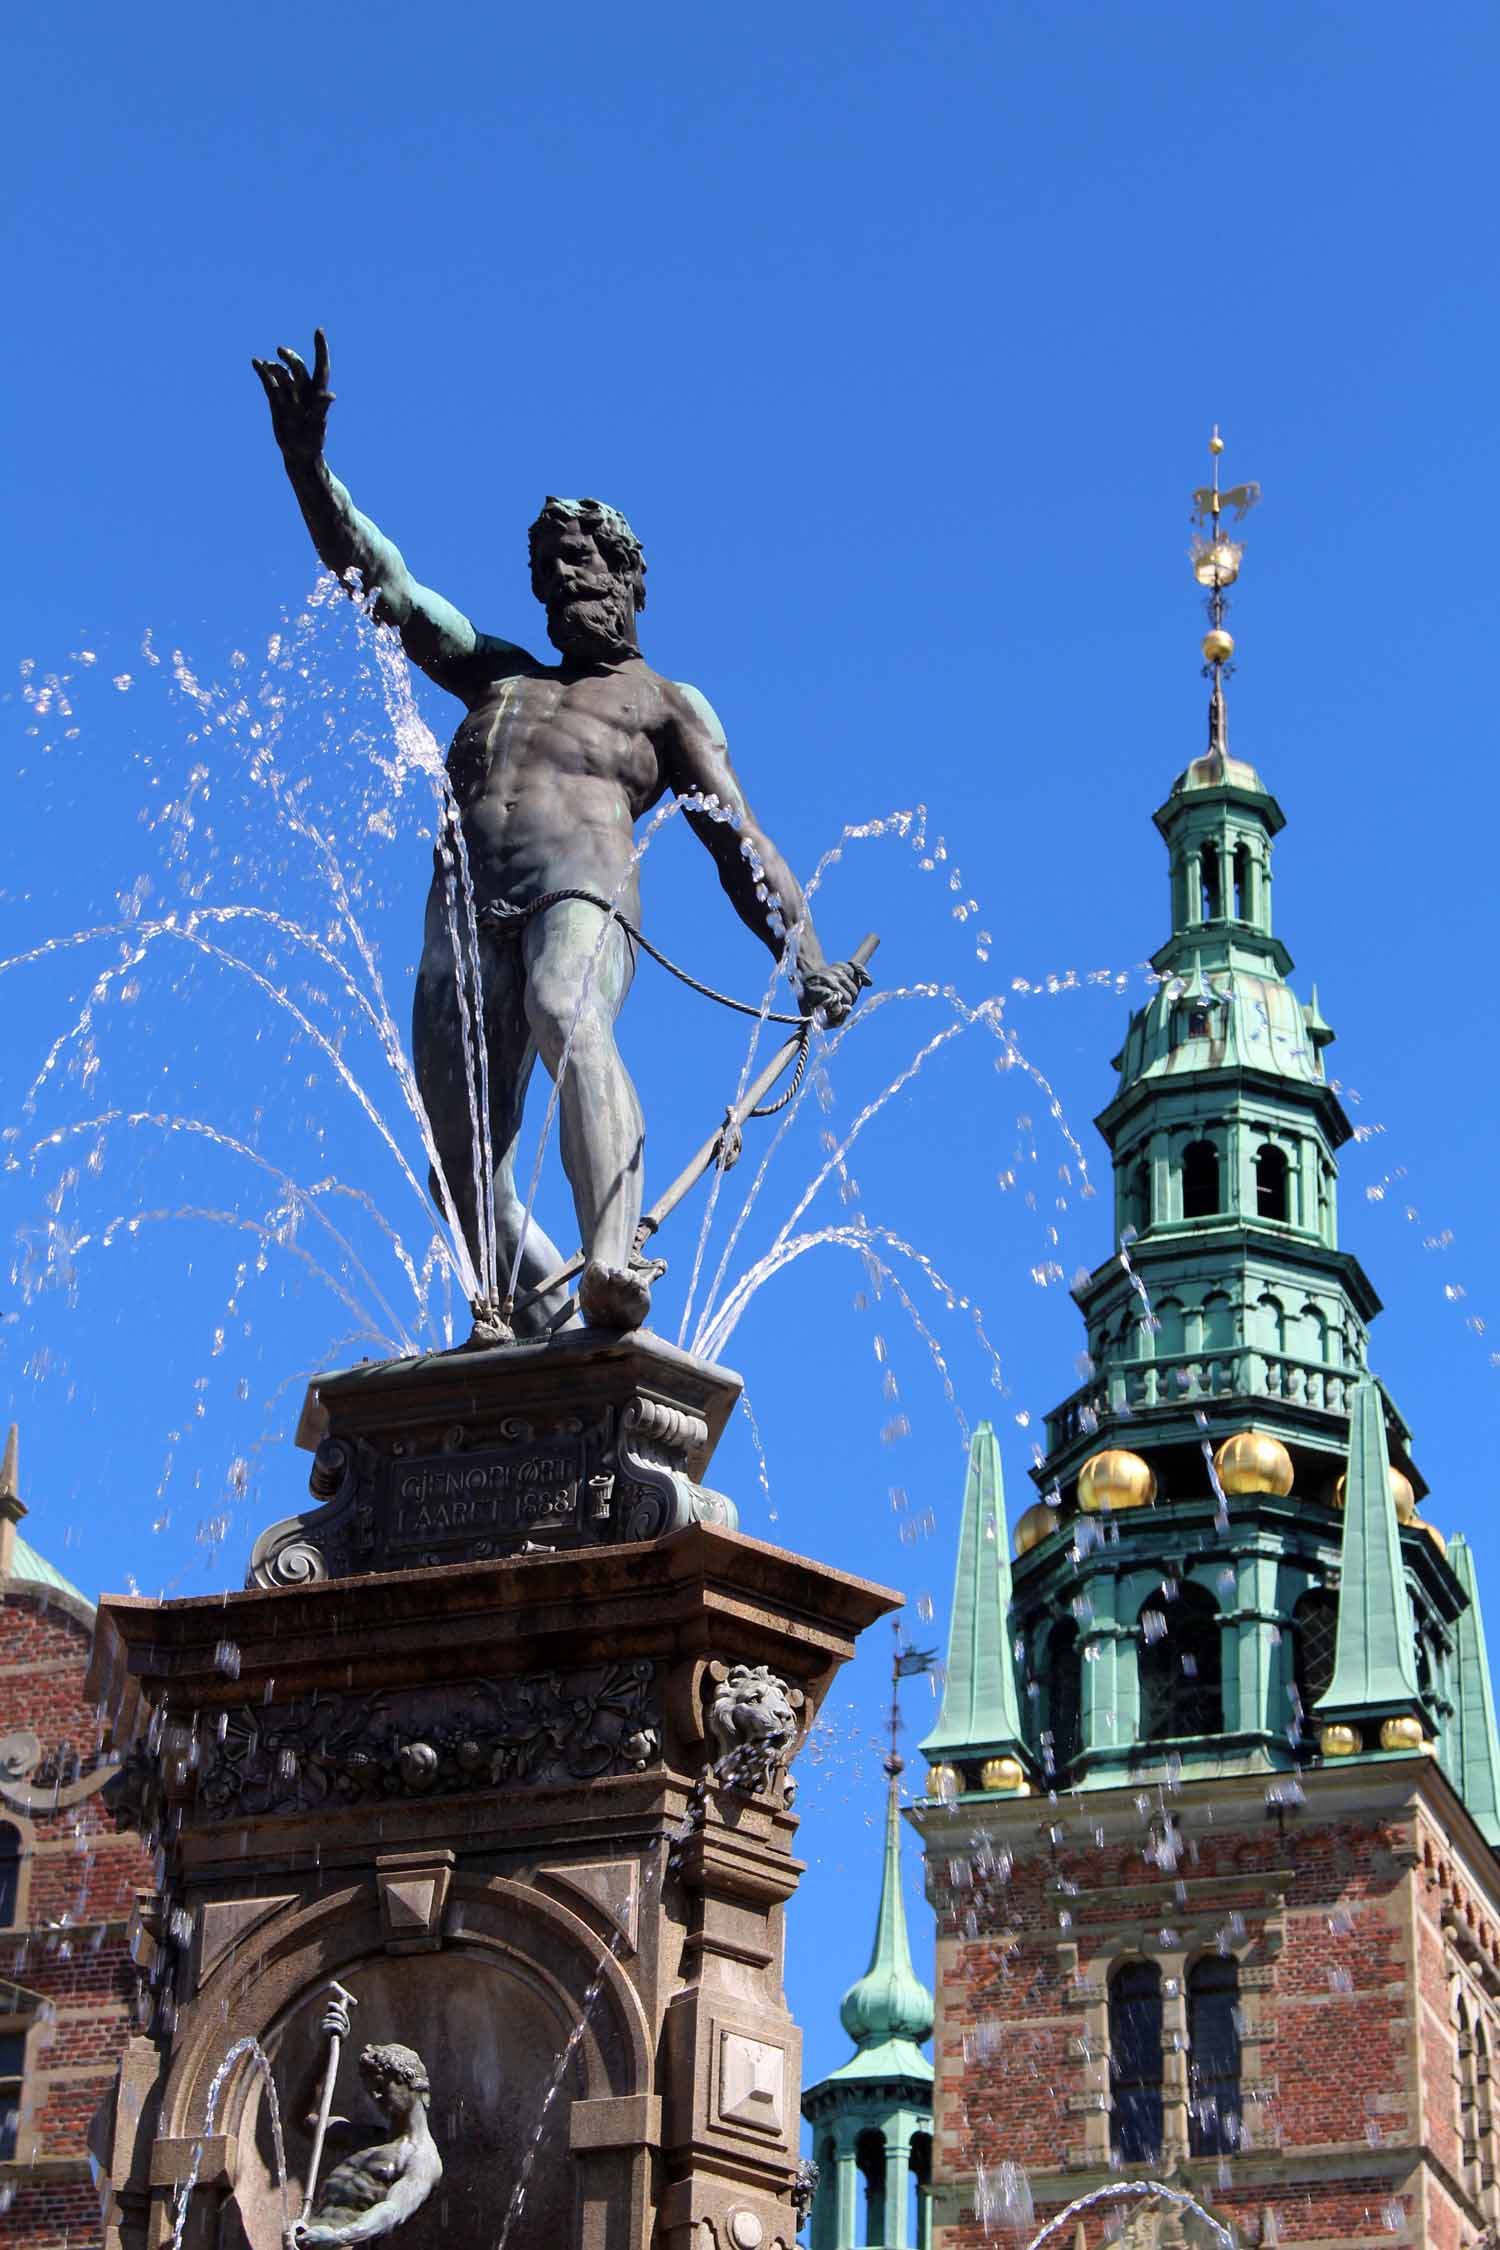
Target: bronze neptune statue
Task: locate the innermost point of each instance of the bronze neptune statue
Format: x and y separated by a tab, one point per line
552	766
373	2188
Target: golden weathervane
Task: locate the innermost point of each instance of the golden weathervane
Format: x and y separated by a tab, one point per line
1216	557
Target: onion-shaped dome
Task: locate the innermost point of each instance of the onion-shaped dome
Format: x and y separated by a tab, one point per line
1402	1495
890	2001
1217	770
1115	1479
1252	1461
1038	1523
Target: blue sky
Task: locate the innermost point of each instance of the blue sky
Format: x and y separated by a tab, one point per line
898	332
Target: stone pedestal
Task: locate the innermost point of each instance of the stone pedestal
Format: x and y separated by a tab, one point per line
531	1809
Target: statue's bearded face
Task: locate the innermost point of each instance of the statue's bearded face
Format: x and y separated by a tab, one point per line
590	604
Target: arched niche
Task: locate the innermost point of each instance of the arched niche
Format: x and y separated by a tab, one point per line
493	2013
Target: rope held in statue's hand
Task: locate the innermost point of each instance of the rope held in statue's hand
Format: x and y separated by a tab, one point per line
509	921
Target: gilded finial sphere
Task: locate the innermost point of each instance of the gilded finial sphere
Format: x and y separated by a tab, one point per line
945	1783
1216	443
1115	1479
1218	646
1038	1523
1252	1461
1006	1774
1340	1741
1401	1734
1403	1498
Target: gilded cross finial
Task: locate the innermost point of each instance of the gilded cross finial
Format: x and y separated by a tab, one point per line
1216	562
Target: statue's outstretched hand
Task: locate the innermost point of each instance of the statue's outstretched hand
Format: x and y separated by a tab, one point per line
833	989
299	400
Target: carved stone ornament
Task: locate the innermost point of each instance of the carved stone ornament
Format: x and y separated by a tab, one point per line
330	1750
610	1464
39	1782
753	1722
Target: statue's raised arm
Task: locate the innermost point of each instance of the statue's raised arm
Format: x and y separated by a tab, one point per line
435	635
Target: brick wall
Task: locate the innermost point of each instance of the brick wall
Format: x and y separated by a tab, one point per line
68	1948
1353	1933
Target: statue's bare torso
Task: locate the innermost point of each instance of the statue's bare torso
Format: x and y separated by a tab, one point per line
552	774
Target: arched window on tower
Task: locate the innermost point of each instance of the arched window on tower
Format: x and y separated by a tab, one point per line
1214	2103
1138	1195
1484	2121
1242	911
1062	1700
10	1873
1272	1183
1315	1625
869	2155
1181	1669
1208	867
1135	2051
825	2209
1465	2087
919	2166
1200	1180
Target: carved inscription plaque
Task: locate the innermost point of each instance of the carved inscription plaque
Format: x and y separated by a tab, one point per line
501	1493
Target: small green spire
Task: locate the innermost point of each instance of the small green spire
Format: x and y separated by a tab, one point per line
981	1714
890	2000
1374	1672
1477	1769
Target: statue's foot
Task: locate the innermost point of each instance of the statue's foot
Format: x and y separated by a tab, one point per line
615	1297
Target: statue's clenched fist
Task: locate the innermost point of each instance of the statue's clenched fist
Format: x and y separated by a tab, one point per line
299	399
833	989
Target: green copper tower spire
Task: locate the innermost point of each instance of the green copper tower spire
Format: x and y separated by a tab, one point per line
1186	1599
872	2118
981	1715
889	2010
1374	1673
1477	1774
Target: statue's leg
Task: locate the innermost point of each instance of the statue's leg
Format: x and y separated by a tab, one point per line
437	1046
443	1083
574	990
512	1057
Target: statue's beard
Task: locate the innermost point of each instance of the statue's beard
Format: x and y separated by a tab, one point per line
597	624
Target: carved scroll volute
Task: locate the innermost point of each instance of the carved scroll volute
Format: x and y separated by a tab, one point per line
651	1452
298	1551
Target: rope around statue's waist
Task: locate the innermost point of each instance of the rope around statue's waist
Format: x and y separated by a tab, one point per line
509	921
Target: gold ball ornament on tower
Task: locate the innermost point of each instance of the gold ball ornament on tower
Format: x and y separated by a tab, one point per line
1004	1776
1403	1497
1115	1479
945	1783
1218	645
1402	1734
1339	1741
1419	1523
1253	1461
1038	1523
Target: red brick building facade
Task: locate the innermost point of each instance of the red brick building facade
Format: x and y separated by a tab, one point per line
1361	1931
68	1887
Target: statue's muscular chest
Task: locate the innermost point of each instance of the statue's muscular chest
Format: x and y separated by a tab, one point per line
571	737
